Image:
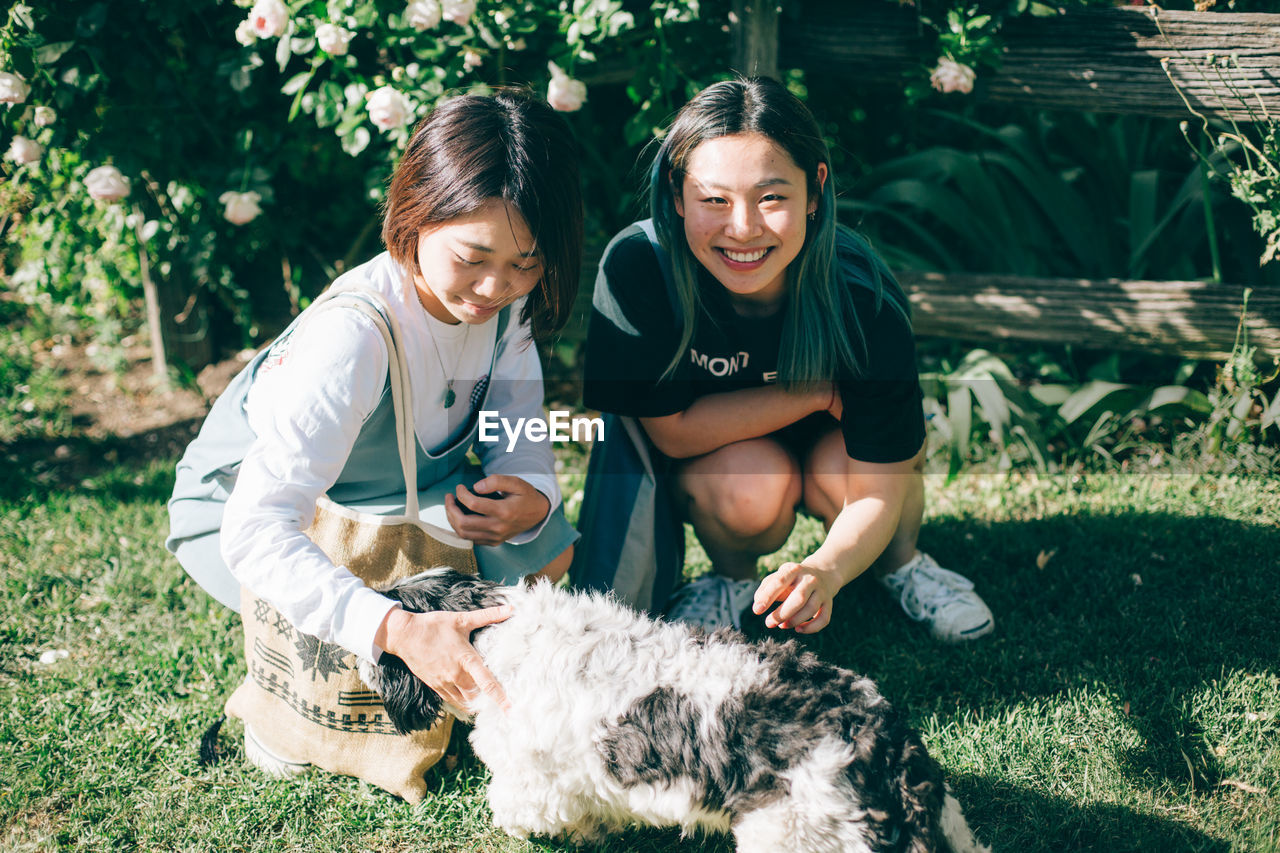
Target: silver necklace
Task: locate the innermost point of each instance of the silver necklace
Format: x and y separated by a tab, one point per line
449	396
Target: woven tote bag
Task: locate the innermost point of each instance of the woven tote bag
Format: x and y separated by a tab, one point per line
303	699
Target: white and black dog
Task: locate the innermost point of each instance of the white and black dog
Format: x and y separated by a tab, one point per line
617	719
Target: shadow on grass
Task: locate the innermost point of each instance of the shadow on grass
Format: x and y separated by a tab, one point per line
35	469
1028	821
1148	608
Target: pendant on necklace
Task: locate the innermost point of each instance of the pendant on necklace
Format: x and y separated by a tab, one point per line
449	397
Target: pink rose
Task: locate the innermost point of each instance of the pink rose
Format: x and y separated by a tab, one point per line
13	89
952	76
239	208
459	11
105	183
387	108
564	93
422	14
269	18
23	150
333	40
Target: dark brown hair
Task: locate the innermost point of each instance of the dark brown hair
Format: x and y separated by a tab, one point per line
509	145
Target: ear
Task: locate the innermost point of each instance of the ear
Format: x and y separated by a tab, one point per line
822	182
411	705
677	198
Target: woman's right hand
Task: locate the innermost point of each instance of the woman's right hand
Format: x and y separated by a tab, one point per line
436	646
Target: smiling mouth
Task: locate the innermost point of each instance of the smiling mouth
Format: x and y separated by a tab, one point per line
749	257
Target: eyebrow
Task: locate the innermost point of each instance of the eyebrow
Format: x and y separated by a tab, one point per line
767	182
482	248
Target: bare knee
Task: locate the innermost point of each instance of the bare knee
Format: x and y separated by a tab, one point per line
554	570
747	490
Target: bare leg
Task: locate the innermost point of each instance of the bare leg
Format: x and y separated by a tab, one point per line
741	501
554	570
825	494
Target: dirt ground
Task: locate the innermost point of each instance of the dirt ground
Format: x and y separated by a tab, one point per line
116	415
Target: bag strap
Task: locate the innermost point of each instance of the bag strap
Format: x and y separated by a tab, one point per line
373	306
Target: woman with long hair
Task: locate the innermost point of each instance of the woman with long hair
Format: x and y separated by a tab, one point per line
767	354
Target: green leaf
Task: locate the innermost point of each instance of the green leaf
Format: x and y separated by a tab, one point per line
1040	10
51	53
1088	396
297	82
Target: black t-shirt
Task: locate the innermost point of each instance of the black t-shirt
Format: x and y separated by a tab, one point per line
633	335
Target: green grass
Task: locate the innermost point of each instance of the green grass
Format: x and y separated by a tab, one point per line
1104	714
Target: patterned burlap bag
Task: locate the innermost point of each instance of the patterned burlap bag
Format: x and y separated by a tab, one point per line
302	699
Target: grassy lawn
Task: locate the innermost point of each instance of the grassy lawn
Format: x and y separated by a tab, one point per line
1130	699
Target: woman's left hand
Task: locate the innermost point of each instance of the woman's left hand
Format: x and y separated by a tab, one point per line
804	595
512	507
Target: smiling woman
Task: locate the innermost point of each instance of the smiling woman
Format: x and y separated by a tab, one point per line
789	382
380	384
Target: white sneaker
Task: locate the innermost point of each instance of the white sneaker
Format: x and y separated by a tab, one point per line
271	763
940	597
712	601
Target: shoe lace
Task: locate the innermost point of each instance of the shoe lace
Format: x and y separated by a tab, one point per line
711	600
930	588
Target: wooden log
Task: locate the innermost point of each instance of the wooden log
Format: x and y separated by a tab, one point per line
1098	60
1193	319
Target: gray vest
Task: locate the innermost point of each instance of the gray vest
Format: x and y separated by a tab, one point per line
207	472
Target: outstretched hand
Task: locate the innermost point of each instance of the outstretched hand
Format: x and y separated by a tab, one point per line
804	596
496	508
436	646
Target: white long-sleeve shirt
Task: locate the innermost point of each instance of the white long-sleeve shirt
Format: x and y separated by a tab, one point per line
306	408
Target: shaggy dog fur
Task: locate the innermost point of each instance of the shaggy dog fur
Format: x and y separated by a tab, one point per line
618	719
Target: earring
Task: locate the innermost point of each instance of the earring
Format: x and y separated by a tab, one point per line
813	214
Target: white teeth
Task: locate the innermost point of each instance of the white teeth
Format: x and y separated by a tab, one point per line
745	257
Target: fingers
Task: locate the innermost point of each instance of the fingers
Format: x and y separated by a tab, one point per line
473	619
502	484
775	587
481	529
803	603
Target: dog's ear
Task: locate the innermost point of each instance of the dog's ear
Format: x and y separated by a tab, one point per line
411	705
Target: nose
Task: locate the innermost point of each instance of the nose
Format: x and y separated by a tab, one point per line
490	287
744	222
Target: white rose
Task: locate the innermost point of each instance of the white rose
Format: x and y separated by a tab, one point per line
13	89
44	116
422	14
459	11
245	33
471	60
333	40
239	208
269	18
387	108
23	150
517	45
952	76
564	93
105	183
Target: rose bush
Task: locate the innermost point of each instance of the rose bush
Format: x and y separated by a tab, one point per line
253	106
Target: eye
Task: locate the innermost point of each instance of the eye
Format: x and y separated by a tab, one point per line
774	197
467	262
714	200
533	265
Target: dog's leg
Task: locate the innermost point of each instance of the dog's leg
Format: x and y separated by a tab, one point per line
525	804
956	828
799	827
